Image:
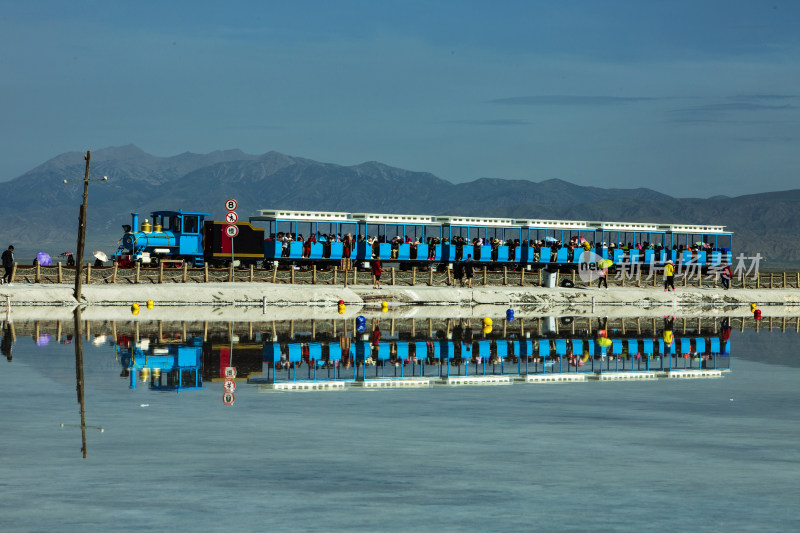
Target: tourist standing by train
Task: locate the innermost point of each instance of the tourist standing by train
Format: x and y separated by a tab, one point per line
377	270
669	276
8	264
726	276
469	270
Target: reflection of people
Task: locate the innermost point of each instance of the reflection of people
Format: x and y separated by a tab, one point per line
601	280
668	335
5	344
725	330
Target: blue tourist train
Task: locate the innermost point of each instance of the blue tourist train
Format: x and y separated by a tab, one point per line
323	237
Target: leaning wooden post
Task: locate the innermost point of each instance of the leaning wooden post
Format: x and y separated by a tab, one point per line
540	277
430	276
60	274
205	272
274	272
505	275
160	272
484	275
138	269
450	280
798	280
38	275
88	273
414	275
522	276
230	273
113	272
185	271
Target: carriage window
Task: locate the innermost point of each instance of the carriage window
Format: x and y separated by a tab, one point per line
175	224
190	224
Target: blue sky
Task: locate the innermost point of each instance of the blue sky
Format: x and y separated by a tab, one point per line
689	98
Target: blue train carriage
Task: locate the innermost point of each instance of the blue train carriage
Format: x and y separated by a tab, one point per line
172	238
247	248
305	223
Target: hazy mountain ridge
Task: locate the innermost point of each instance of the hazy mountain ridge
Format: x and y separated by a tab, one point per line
40	211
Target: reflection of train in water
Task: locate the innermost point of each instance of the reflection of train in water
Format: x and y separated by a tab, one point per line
180	236
405	355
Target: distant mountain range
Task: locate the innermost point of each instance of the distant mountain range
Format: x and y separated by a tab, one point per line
39	212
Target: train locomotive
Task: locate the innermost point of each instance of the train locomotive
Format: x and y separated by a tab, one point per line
177	237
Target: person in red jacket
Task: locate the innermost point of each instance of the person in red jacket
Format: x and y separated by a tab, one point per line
377	270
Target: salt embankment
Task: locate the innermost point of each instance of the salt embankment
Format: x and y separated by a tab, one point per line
267	301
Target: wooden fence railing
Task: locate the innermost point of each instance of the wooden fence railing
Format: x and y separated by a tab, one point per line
484	276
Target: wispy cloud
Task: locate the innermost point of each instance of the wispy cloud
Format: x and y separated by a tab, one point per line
571	100
490	122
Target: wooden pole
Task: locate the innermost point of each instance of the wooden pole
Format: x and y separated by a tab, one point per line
522	276
205	272
430	276
484	275
38	273
82	229
335	274
505	275
291	275
160	272
274	272
414	275
230	273
251	273
314	274
138	268
60	274
393	280
540	277
113	272
185	271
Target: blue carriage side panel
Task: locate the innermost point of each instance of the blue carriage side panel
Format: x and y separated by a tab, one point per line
295	250
272	249
561	255
385	251
337	250
618	256
316	250
502	254
404	252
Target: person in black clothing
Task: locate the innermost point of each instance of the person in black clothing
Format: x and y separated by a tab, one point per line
469	270
8	264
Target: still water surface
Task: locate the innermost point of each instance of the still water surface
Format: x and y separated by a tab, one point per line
680	455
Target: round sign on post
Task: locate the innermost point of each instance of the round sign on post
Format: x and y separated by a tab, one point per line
230	204
231	217
228	398
229	385
231	231
230	372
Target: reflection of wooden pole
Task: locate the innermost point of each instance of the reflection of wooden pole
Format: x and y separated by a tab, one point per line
114	330
160	331
58	331
79	369
136	331
522	327
183	330
205	331
291	329
413	327
313	328
36	331
638	325
391	326
88	330
430	327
